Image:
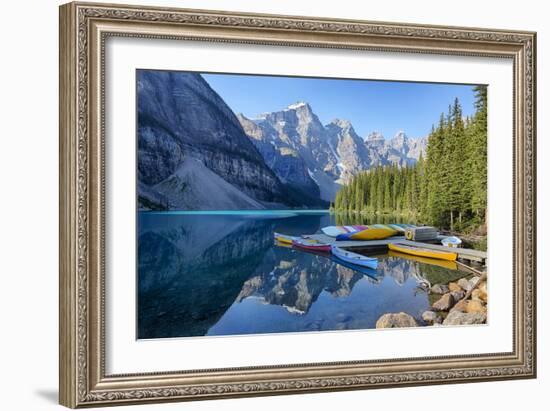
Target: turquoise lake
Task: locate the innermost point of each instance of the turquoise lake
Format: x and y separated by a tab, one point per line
220	273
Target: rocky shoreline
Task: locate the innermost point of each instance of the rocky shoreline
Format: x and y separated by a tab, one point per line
461	302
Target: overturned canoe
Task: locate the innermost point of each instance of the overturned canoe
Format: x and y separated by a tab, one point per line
371	233
423	252
313	245
354	258
336	230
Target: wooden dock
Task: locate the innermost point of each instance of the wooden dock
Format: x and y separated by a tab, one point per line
463	253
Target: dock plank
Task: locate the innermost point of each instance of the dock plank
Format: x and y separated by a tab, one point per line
466	253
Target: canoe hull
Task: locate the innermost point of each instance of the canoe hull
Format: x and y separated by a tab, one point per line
367	235
311	246
336	230
423	252
449	265
353	258
282	238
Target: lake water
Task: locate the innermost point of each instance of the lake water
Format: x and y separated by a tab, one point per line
220	273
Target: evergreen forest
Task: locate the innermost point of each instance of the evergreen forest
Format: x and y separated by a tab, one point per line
446	188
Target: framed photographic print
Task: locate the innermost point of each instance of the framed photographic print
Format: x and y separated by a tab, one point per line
259	204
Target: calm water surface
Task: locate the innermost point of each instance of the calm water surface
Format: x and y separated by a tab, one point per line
220	273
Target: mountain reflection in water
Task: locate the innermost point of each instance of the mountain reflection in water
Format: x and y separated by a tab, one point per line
222	274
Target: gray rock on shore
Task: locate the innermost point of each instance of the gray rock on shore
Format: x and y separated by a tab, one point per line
465	284
439	289
396	320
430	316
459	318
458	295
445	303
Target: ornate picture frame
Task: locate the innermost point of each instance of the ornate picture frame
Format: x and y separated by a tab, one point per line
84	29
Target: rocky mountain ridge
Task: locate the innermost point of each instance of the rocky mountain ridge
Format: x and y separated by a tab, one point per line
194	153
295	139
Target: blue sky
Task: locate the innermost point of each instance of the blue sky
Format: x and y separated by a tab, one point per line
384	106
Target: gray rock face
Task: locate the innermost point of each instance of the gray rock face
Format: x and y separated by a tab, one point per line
296	130
180	116
352	153
400	150
284	160
194	186
396	320
330	154
460	318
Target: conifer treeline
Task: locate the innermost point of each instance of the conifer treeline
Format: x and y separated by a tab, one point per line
447	188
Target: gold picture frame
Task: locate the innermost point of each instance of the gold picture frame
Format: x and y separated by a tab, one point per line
84	27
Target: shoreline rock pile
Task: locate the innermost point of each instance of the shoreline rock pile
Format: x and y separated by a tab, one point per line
461	302
455	306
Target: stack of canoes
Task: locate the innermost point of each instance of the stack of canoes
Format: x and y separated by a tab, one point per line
336	230
370	233
365	232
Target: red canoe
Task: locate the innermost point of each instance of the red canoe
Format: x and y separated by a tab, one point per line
308	244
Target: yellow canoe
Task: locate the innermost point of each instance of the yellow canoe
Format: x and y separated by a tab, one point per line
281	244
423	252
283	238
450	265
373	234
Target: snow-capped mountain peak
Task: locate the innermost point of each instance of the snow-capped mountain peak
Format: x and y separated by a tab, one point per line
297	105
334	151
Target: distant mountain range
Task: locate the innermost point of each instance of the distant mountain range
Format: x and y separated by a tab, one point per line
194	153
304	153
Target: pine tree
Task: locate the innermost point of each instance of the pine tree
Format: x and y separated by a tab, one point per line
447	187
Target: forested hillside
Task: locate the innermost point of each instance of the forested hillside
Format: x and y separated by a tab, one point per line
447	188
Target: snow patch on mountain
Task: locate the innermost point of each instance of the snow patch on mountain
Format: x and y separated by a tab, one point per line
296	105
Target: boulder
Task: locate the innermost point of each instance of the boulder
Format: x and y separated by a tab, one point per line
479	295
476	307
456	317
454	287
474	281
465	284
458	295
429	316
483	287
461	306
445	303
396	320
440	289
